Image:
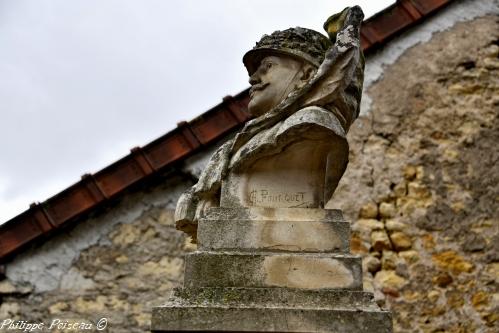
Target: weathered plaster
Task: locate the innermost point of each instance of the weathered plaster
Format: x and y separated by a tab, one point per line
48	267
459	11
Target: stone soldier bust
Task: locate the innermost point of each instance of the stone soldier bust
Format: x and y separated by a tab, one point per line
305	93
271	257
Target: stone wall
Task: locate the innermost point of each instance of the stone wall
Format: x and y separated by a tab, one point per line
421	192
422	186
116	265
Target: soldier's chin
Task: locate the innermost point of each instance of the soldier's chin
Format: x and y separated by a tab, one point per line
255	107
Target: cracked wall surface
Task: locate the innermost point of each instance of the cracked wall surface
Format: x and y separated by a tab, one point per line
421	191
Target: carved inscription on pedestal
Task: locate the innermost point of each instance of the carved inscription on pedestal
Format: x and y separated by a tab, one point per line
287	199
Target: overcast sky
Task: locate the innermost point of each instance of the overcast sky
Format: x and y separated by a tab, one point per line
83	81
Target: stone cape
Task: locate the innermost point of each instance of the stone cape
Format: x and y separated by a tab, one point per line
312	132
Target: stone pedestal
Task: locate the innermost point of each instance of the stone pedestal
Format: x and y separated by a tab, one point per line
272	270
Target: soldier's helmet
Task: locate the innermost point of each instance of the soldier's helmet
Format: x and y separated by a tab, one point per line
301	43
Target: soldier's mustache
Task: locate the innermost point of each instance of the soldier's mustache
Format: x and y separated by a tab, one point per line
257	87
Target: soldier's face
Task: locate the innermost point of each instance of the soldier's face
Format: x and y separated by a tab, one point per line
274	79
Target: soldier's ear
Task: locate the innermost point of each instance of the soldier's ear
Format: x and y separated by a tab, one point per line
307	72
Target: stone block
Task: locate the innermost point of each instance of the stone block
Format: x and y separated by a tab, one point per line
371	264
400	189
380	241
367	225
389	260
274	235
6	287
442	279
400	241
268	319
395	225
410	172
389	279
273	269
410	256
387	209
273	297
369	211
359	245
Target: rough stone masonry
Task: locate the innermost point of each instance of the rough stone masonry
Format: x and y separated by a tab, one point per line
422	185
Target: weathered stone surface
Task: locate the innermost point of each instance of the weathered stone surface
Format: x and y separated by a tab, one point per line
474	242
371	264
380	240
400	241
9	309
389	260
359	245
272	230
275	214
294	291
387	209
274	297
452	261
395	225
367	225
410	256
389	279
296	270
442	279
369	211
58	308
236	309
433	295
274	236
274	319
6	287
285	179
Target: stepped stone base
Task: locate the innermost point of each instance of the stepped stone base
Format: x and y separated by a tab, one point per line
296	270
274	297
271	310
272	270
264	229
231	319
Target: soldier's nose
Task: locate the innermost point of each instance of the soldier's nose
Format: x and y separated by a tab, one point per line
253	79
